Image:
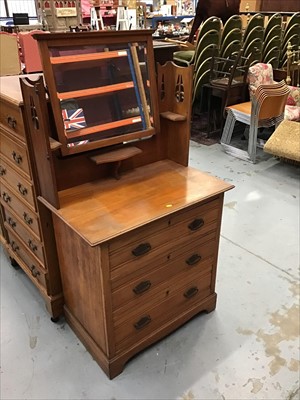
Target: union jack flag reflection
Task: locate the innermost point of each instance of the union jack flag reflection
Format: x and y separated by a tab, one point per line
73	119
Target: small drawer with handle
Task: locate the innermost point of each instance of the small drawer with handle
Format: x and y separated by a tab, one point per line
21	186
29	264
10	201
32	242
11	118
14	151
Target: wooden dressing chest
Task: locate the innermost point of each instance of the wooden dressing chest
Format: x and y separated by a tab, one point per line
137	231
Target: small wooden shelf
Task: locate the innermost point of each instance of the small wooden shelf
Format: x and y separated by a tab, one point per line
173	116
115	157
54	144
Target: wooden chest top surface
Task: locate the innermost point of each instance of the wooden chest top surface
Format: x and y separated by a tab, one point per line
101	210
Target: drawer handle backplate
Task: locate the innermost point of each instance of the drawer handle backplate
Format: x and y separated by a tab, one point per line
32	246
141	249
27	218
17	157
144	321
191	292
194	259
196	224
14	246
142	287
34	271
11	222
22	189
6	197
12	122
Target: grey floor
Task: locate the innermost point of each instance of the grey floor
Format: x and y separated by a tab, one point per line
248	348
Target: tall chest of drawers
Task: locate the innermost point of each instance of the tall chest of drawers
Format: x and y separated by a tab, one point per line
26	225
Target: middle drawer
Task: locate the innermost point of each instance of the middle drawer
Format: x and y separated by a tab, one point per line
20	185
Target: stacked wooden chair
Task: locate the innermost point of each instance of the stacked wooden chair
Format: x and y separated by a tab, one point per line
265	109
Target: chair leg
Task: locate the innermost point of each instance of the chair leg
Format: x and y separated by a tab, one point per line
226	139
252	143
228	128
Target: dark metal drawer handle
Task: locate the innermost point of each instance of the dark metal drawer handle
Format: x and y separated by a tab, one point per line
196	224
142	287
143	322
6	197
22	189
2	170
12	122
17	157
11	222
14	246
194	259
32	246
191	292
27	218
141	249
34	271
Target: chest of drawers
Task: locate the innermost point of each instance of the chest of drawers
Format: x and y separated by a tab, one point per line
136	267
26	225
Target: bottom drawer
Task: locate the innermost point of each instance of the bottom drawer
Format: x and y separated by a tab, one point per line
29	264
150	319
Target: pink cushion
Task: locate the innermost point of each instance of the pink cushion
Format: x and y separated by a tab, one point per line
292	113
294	96
259	74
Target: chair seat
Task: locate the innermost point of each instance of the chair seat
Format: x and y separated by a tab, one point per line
225	82
185	55
244	108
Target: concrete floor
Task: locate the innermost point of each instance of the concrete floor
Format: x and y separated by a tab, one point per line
248	348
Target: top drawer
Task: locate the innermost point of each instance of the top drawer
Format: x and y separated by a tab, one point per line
176	228
15	151
11	117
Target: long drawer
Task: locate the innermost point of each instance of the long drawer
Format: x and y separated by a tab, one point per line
29	263
11	118
34	243
11	201
15	151
138	326
18	183
181	227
